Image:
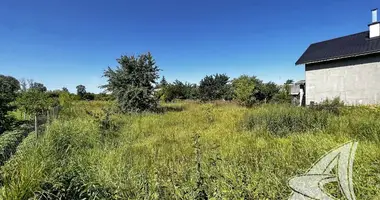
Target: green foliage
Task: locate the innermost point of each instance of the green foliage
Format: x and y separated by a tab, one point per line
213	87
289	81
178	90
132	83
37	86
81	91
35	102
283	96
163	82
89	96
244	88
8	88
198	152
332	106
103	97
8	144
249	90
66	100
266	91
64	89
280	120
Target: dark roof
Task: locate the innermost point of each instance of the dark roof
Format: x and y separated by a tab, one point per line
344	47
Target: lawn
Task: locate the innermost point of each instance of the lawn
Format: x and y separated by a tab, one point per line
189	151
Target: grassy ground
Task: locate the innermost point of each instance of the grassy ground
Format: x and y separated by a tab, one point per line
218	151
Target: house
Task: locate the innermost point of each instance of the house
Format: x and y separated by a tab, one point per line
347	67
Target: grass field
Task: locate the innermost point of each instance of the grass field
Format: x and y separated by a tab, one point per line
191	151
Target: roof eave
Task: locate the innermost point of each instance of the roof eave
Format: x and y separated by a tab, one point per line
336	58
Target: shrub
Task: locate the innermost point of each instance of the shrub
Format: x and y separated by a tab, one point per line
8	88
178	90
213	87
132	83
281	120
8	144
333	106
244	87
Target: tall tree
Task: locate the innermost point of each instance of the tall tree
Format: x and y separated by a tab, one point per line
213	87
289	81
266	91
8	88
81	91
244	89
283	96
34	102
132	82
38	86
64	89
163	82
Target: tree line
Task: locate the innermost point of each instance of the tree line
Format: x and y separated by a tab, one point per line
246	90
133	84
34	101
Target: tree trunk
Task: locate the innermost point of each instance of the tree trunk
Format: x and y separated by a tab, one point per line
36	125
24	115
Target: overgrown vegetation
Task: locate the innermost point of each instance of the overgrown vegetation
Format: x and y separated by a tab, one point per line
132	83
213	150
333	106
208	149
282	120
9	142
8	88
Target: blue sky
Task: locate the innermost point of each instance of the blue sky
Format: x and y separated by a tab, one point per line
64	43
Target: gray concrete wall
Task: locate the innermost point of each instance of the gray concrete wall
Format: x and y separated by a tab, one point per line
356	80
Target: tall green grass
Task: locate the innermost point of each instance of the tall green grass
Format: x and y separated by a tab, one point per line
9	142
282	120
195	151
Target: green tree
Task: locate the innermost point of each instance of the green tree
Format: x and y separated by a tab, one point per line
132	83
289	81
64	89
266	91
81	91
38	86
191	91
179	90
8	88
174	91
283	96
244	89
163	82
34	102
65	100
89	96
103	97
213	87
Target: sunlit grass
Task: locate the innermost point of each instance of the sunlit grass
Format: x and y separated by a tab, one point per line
215	150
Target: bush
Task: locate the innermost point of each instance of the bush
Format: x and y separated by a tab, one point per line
214	87
8	144
281	120
332	106
178	90
132	83
8	92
